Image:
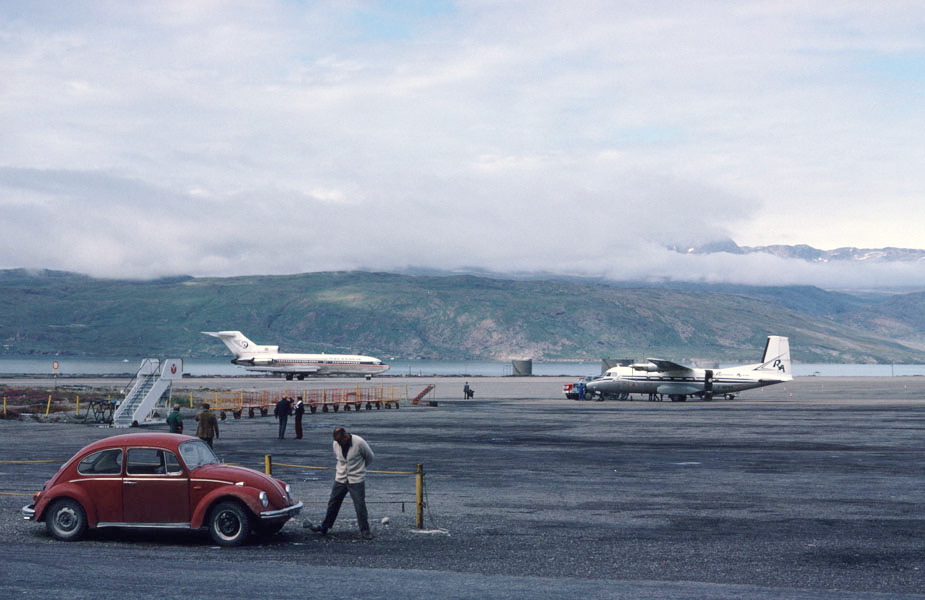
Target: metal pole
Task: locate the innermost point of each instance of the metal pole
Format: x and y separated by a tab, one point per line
419	488
268	463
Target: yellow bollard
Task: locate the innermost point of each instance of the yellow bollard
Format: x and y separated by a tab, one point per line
268	463
419	489
48	406
4	406
77	410
191	399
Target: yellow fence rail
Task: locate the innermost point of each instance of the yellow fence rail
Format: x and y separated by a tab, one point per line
380	395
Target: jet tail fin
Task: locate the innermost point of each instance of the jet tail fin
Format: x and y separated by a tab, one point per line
238	343
776	355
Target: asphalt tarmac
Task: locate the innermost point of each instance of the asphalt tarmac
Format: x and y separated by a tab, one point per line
810	489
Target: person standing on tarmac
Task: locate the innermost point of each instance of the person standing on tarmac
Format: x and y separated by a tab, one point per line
208	425
353	456
281	412
175	420
299	411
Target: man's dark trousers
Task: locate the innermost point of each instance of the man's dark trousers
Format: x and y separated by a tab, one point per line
357	494
282	425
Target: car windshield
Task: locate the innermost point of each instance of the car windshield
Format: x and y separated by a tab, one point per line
196	453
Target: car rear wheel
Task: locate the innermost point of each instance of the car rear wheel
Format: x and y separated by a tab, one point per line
66	520
229	524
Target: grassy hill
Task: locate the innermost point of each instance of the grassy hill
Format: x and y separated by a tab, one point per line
449	317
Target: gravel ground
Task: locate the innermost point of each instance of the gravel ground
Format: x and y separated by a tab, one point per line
811	489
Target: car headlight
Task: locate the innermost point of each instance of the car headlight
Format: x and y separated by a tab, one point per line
263	499
289	491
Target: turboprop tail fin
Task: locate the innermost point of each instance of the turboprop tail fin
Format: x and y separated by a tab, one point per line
776	355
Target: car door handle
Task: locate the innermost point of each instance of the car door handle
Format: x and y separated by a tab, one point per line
129	483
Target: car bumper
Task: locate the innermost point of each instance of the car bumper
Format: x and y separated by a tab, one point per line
283	513
28	512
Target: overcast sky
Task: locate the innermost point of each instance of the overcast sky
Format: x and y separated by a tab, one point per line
142	139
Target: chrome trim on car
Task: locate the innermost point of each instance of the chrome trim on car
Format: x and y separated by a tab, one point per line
289	511
146	525
28	512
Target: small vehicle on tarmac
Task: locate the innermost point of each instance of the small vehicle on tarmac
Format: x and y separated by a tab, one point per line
576	390
160	480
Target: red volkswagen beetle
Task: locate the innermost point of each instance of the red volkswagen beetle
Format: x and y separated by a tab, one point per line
161	480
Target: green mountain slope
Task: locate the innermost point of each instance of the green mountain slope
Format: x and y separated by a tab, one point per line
442	317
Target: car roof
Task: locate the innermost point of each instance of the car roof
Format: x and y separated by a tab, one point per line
164	440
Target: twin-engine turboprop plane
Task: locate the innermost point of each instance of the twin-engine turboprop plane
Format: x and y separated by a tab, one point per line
268	359
658	377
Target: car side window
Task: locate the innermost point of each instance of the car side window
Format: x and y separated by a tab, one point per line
152	461
104	462
145	461
173	465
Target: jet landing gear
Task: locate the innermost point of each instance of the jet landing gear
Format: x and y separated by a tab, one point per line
677	397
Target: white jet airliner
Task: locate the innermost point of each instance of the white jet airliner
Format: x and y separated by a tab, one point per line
269	359
658	377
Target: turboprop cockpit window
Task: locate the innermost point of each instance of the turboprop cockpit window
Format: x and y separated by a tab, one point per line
197	453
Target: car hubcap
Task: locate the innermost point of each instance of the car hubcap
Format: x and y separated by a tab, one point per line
66	519
228	524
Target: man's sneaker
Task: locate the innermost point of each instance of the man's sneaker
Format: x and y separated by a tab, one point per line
367	535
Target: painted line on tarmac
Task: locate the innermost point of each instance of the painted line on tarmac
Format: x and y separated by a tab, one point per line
23	462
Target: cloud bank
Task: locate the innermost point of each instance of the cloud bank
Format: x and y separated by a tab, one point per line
223	138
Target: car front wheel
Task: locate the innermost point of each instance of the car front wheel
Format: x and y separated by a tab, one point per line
66	520
229	524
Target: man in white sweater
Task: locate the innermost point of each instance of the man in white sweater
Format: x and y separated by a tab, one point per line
353	455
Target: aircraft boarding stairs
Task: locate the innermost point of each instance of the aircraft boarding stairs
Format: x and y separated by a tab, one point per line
151	382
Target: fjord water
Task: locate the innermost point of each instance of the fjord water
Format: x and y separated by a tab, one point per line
204	367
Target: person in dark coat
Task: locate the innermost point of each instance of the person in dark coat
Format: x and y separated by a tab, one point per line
208	425
299	411
175	420
281	412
